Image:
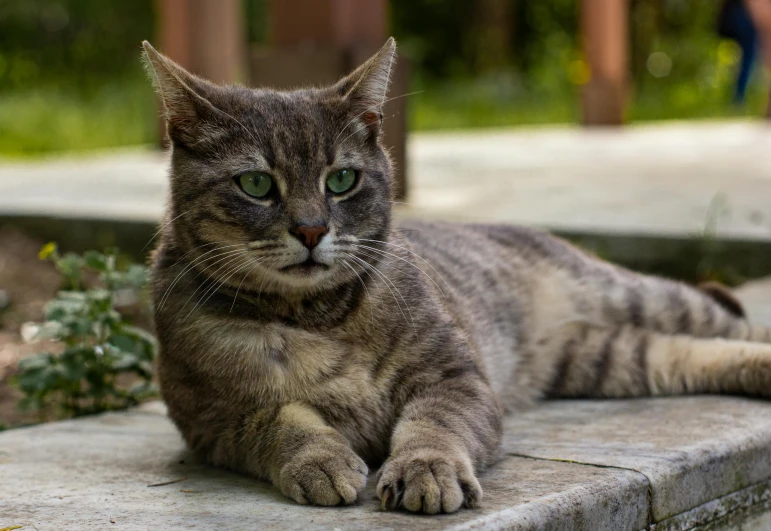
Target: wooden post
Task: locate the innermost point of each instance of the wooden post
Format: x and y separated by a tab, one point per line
342	23
760	13
204	36
605	43
315	42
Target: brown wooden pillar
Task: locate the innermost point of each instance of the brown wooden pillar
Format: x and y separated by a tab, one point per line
204	36
315	42
605	35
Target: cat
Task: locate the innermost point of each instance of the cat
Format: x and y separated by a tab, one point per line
305	337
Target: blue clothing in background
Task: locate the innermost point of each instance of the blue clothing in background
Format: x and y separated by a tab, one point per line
735	23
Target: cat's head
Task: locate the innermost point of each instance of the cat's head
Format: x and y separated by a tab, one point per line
271	189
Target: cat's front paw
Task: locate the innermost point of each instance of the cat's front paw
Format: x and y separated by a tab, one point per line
428	481
323	473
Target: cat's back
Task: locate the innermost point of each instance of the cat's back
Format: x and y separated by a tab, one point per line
486	250
484	279
494	279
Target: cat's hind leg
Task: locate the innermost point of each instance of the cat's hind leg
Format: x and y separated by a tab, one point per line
616	297
592	361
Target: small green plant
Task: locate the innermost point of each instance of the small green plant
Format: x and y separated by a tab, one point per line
712	264
104	362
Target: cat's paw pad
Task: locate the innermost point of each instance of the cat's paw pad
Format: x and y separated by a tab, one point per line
324	474
428	482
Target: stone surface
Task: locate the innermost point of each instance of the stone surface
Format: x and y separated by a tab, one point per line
674	178
756	298
91	472
691	449
127	184
748	509
678	463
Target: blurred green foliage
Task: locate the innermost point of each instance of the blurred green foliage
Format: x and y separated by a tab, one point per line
70	77
70	43
525	65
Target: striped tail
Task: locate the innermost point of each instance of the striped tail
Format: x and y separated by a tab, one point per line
595	361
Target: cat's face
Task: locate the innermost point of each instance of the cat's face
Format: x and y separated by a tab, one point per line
277	191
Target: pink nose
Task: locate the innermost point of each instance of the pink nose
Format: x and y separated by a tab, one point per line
310	235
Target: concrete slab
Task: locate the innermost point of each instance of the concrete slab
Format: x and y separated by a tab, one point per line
748	509
93	473
691	449
756	298
676	463
669	179
672	178
123	185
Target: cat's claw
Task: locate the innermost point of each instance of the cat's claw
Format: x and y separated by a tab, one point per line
428	483
387	494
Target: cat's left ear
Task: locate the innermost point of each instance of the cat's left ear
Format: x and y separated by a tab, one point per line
186	98
365	88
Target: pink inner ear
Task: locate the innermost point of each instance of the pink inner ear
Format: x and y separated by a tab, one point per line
370	118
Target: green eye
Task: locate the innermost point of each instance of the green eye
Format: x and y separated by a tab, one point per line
341	181
255	183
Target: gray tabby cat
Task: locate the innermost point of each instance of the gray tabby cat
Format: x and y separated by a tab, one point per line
303	336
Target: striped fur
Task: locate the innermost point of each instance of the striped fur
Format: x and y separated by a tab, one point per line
406	346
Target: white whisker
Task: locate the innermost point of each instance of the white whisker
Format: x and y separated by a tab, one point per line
213	281
349	136
386	281
254	264
349	266
416	255
405	261
187	268
216	287
334	142
161	230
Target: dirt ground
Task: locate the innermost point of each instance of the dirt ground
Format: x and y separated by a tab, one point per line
26	283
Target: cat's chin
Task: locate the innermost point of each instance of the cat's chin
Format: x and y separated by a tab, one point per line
304	277
309	268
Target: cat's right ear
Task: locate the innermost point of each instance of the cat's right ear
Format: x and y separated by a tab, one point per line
185	97
365	88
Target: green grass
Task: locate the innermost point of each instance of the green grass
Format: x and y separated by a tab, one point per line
50	120
686	101
124	113
480	103
491	102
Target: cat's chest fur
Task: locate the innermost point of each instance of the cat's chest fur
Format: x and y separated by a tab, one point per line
283	363
280	364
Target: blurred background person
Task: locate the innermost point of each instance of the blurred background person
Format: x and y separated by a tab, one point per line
736	23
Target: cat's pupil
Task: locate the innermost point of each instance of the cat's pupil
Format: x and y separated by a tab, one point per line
341	181
256	184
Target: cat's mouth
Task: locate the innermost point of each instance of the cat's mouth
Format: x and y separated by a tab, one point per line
309	267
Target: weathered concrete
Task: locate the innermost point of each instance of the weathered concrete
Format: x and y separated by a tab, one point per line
691	449
756	298
657	179
748	509
86	473
677	463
